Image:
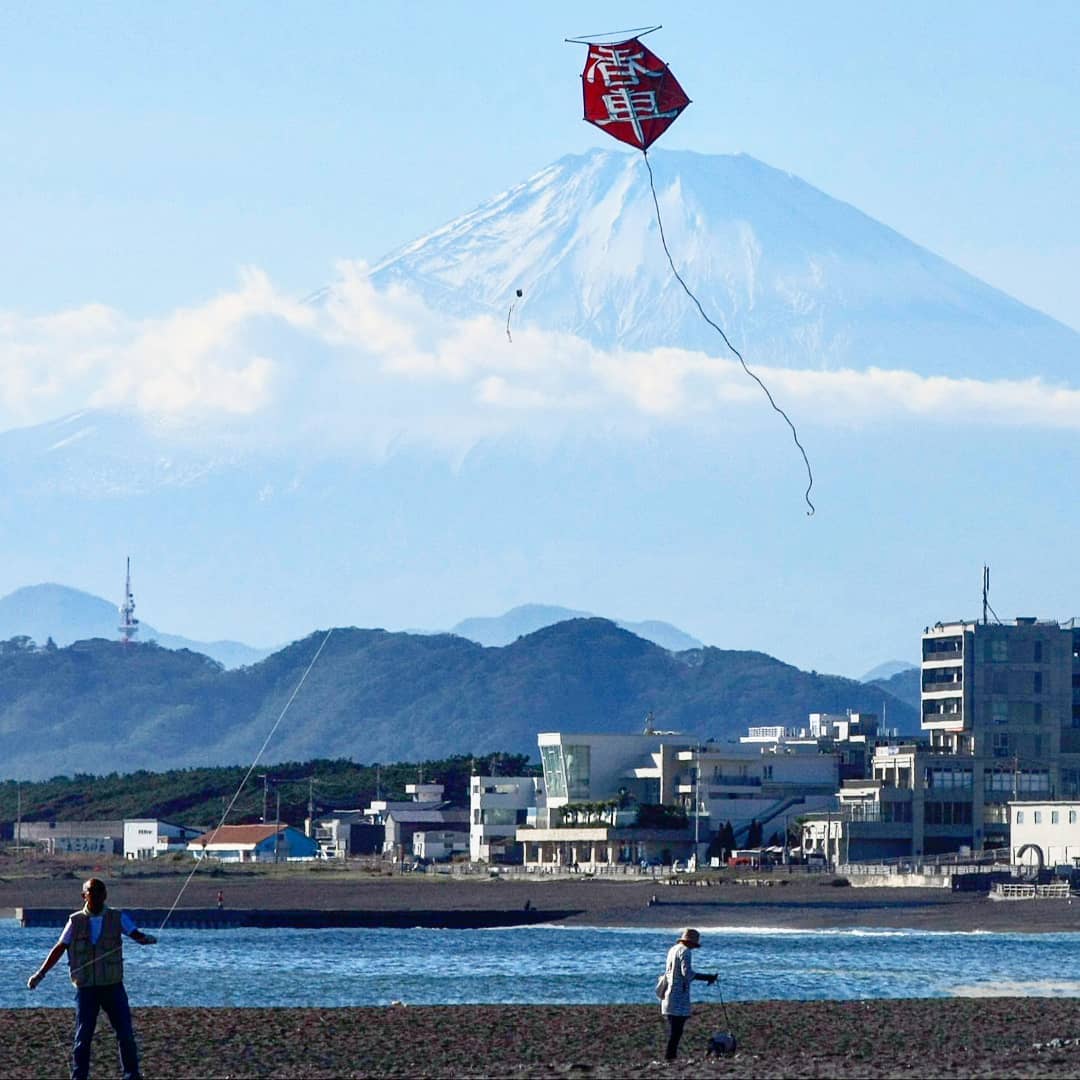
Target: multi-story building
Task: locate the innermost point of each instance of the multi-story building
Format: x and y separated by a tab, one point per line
1001	723
499	804
663	795
1002	700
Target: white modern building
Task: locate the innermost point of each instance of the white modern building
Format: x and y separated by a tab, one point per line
770	783
437	845
1045	832
662	796
147	838
498	805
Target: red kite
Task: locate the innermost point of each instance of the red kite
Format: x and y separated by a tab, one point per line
630	92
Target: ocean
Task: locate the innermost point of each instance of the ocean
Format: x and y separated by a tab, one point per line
551	965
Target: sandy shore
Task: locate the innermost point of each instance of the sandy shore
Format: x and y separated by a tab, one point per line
955	1038
794	903
984	1037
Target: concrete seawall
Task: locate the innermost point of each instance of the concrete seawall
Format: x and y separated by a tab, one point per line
308	918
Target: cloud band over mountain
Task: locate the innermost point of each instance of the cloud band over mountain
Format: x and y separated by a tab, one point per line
381	360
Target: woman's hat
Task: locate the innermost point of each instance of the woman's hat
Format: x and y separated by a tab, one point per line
691	938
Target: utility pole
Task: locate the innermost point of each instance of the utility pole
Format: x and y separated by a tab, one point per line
18	820
265	777
277	823
697	801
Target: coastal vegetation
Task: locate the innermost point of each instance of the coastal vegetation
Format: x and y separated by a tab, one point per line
199	796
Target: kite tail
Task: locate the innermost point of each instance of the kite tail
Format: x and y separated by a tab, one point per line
738	355
518	294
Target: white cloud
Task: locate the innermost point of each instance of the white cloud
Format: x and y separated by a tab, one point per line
364	363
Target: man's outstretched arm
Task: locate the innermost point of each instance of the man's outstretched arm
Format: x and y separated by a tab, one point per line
55	953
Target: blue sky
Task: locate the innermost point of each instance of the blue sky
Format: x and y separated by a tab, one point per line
151	151
175	176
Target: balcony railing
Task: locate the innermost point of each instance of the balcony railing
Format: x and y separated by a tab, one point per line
936	686
734	781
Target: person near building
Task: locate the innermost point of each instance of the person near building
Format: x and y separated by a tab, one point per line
675	1004
93	940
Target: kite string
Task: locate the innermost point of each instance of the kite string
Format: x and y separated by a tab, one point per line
247	775
236	794
738	355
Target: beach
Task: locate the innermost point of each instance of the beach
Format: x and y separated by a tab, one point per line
963	1036
796	902
997	1037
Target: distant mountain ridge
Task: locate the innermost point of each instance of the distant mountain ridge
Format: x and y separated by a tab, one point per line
887	670
100	707
528	618
67	615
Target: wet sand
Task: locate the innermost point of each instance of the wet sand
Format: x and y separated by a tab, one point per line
998	1037
794	903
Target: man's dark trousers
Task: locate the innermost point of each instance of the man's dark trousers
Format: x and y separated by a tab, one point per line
89	1001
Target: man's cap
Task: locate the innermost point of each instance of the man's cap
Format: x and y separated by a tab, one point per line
690	937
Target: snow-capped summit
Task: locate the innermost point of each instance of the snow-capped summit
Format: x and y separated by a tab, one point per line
795	277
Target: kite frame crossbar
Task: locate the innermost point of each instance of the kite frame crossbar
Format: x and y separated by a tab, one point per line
616	36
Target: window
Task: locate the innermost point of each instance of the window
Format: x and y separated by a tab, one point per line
554	777
1053	817
1001	744
999	710
1038	652
1037	817
1037	682
577	771
1019	817
1072	817
999	650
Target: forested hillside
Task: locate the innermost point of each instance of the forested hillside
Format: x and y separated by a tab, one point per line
100	707
200	796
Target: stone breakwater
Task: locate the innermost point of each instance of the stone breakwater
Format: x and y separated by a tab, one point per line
314	918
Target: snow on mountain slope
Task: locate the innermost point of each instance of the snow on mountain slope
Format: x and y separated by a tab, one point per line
796	277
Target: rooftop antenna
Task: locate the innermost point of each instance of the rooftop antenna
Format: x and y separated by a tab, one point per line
986	592
649	723
129	625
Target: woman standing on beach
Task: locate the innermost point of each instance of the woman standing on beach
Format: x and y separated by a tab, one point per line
675	1004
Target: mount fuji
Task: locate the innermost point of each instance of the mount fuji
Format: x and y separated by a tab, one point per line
279	518
797	278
